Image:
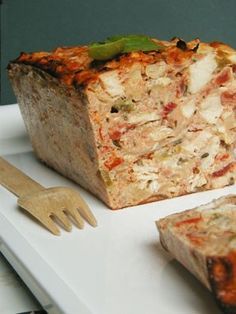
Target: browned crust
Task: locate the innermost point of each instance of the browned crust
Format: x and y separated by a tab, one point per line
73	66
222	278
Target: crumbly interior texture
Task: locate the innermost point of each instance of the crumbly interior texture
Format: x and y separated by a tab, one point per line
164	123
204	241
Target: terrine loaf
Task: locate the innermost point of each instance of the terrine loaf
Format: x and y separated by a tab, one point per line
203	239
154	120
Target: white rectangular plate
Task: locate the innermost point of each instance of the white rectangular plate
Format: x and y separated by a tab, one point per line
118	267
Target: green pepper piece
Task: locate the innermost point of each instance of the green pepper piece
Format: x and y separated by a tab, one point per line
142	44
107	50
137	43
125	106
122	44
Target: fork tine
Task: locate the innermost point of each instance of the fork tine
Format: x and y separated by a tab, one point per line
87	215
50	225
85	212
59	214
73	212
46	221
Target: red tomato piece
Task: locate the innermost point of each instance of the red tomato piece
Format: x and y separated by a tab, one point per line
112	162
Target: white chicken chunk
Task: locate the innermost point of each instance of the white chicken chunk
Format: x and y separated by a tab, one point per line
211	109
111	83
201	72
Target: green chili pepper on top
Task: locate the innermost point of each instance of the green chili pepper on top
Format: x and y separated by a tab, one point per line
122	44
106	50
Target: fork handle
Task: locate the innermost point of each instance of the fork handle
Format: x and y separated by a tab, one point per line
15	181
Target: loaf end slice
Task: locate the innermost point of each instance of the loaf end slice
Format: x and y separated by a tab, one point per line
57	121
203	240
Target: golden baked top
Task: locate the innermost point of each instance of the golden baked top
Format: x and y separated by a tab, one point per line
75	66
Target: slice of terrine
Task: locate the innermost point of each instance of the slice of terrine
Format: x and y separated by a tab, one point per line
203	239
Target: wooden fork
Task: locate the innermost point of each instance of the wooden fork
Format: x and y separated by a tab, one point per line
48	205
